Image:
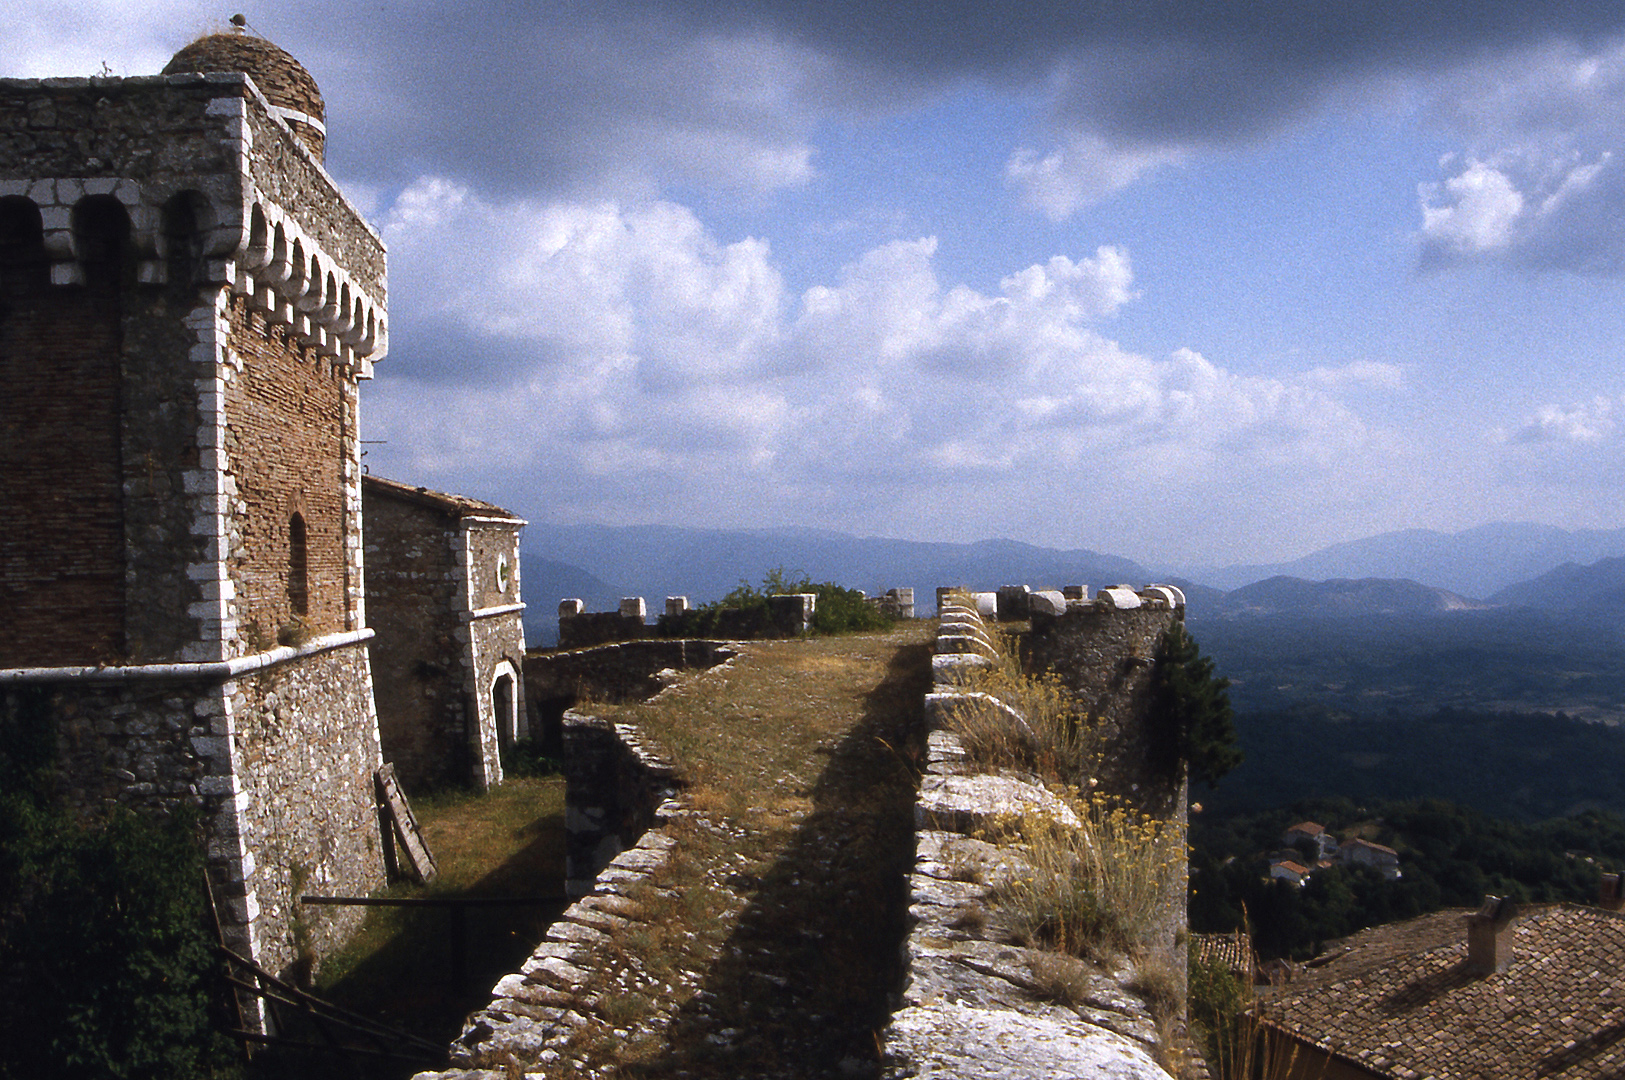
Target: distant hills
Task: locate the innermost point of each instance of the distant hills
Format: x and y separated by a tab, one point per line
1476	563
1414	572
704	564
1283	595
1600	585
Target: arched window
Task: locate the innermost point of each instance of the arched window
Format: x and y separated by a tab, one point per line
22	243
186	217
298	565
101	237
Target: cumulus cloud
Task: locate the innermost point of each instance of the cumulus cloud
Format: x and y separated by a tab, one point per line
647	282
1479	210
1586	422
616	358
1540	185
1535	208
1084	171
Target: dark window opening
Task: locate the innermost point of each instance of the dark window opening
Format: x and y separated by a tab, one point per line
184	233
22	244
101	237
298	566
502	704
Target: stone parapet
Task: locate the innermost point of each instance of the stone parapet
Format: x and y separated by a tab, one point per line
976	1008
616	786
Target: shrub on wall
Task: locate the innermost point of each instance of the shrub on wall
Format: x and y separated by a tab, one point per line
105	960
744	612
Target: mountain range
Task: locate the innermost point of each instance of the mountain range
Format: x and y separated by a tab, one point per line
1476	562
1414	571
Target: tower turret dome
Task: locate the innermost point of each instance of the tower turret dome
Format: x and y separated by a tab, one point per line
283	80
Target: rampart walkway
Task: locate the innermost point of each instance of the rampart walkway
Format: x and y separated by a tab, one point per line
768	940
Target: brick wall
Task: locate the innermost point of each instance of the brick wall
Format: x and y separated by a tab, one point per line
286	421
61	531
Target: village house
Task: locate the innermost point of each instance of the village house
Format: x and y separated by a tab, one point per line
1322	844
1358	852
1289	870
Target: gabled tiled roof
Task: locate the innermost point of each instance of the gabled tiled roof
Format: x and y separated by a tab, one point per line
456	505
1234	951
1288	864
1356	842
1308	828
1399	1000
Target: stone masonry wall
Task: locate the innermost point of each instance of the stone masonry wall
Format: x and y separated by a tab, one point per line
494	632
218	194
305	746
491	545
618	671
615	787
187	304
1104	656
975	1007
159	430
279	760
285	170
423	710
494	640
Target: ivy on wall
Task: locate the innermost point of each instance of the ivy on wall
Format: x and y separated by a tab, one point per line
105	958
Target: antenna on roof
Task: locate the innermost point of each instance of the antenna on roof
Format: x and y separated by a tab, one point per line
239	22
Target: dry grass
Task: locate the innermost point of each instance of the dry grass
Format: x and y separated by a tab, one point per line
1092	890
1088	891
1051	735
1063	979
1160	985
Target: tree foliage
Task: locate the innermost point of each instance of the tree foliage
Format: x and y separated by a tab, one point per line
1449	856
1193	708
105	961
839	610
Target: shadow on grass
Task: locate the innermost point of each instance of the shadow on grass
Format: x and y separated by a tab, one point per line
409	981
809	976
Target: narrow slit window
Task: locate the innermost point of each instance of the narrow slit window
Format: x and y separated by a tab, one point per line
298	565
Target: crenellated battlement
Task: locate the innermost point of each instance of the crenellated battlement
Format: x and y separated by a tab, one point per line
234	197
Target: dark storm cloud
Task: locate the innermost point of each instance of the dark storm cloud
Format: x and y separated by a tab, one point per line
1189	69
569	96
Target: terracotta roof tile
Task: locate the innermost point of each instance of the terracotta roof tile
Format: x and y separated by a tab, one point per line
1400	999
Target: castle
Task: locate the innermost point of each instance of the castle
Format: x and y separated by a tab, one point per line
188	305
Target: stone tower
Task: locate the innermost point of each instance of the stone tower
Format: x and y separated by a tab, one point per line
187	305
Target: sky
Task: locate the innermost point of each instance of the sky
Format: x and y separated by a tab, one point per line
1179	281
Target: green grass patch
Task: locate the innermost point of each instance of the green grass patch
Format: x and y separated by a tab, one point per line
400	967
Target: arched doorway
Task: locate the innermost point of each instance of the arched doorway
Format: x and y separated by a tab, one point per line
505	710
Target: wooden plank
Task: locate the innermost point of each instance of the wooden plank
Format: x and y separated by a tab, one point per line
420	863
